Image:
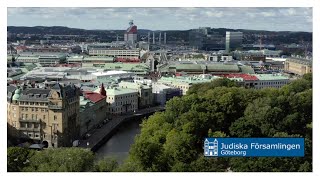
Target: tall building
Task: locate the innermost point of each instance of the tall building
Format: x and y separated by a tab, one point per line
233	40
130	36
46	115
206	39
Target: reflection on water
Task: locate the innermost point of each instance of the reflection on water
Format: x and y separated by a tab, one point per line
119	144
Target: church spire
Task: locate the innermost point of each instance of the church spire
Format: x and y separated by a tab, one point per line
103	91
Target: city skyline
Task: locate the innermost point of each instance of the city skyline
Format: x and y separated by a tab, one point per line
271	19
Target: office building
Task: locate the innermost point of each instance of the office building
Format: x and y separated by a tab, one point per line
233	41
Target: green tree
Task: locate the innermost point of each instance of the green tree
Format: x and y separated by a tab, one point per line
61	160
106	164
173	140
18	158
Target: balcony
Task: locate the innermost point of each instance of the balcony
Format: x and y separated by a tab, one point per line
52	106
29	120
30	129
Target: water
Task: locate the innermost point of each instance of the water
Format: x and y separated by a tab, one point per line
118	145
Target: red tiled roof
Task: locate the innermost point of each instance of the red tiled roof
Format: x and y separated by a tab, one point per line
132	30
92	96
21	48
245	77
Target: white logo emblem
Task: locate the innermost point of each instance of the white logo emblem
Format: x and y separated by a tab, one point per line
211	148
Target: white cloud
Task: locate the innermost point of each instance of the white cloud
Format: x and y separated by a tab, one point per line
166	18
268	14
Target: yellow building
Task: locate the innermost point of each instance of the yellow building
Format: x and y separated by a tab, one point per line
49	115
121	100
298	66
144	92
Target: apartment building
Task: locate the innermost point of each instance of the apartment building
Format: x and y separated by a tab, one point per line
119	53
121	100
298	66
145	92
46	115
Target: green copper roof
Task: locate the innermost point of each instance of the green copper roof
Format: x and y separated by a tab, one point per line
120	91
190	67
271	77
132	67
247	69
132	85
16	95
223	67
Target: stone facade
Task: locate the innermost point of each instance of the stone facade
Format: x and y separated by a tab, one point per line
45	115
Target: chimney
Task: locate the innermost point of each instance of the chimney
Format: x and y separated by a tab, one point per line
160	38
165	38
153	38
103	91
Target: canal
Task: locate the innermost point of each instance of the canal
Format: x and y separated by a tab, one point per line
118	145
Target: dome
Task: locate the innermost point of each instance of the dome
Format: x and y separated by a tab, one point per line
16	95
17	91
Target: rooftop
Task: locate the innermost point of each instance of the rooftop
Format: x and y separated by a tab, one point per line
270	77
245	77
133	85
118	91
93	96
108	73
300	60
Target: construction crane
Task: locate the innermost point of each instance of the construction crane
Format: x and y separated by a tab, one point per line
260	42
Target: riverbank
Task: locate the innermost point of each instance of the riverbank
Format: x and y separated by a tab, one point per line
102	135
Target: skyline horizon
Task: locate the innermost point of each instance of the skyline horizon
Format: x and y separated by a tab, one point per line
295	19
159	29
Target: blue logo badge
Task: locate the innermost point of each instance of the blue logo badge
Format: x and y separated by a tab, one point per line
254	147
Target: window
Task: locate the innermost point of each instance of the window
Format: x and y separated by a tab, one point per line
29	125
32	116
55	127
36	125
32	109
44	117
36	109
55	117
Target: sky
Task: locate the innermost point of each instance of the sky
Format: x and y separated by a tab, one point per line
273	18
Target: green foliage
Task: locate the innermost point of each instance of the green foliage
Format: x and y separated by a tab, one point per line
18	158
173	140
61	160
223	82
107	164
